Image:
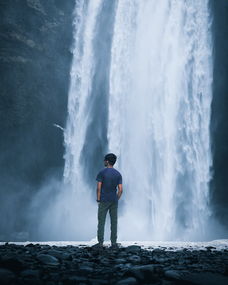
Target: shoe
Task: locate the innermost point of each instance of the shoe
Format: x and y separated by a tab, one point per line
98	245
114	246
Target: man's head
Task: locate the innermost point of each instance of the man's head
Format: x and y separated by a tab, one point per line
110	159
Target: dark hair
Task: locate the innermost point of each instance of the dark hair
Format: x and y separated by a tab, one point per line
111	158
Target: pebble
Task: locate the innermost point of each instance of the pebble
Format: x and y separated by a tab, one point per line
50	265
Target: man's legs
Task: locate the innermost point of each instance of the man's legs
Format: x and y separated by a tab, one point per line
102	212
113	218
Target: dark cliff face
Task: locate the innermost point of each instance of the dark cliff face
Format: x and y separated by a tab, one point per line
35	58
219	117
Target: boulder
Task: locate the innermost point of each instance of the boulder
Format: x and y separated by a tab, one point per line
142	272
48	259
133	248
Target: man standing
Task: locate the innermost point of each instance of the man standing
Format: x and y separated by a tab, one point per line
108	180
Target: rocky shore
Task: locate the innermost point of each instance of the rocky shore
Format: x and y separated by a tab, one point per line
44	264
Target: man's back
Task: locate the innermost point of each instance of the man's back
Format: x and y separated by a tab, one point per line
110	178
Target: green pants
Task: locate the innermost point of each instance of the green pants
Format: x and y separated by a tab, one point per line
103	208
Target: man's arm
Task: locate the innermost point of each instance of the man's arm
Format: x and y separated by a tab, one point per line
120	190
99	191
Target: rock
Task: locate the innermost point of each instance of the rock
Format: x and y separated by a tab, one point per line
127	281
98	281
6	276
60	254
137	273
142	272
48	259
120	260
12	263
158	250
173	274
120	267
29	273
87	263
111	268
206	278
30	245
148	267
54	276
134	259
104	260
203	278
158	269
34	69
210	247
36	5
133	248
74	280
159	259
85	269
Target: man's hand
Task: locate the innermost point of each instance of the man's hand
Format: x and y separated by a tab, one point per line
120	191
99	191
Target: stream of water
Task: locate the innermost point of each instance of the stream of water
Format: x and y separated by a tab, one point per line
141	87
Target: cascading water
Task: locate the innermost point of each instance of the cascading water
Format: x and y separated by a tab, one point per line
155	60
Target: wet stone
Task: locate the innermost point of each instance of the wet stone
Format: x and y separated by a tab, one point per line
87	263
134	259
6	276
173	274
121	267
133	248
141	272
98	281
85	269
54	276
60	255
210	247
127	281
30	245
48	259
12	263
120	260
158	250
29	273
74	279
38	265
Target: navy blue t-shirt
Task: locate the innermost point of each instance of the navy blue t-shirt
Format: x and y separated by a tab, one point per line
110	178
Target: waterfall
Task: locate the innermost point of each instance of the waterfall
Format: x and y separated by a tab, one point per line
141	87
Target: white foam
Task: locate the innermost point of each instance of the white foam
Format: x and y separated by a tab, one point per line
150	245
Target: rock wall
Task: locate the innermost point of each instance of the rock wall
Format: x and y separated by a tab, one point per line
35	63
219	118
35	59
